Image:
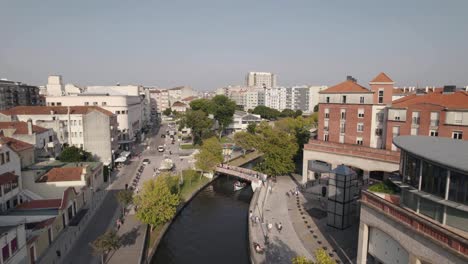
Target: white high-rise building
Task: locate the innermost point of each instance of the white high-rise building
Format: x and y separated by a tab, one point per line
276	98
261	79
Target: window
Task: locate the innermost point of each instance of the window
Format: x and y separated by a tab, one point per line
327	113
360	113
325	137
360	127
361	99
52	104
86	103
95	103
457	135
381	96
117	112
415	119
458	118
378	131
412	169
359	141
2	159
343	99
104	103
328	99
51	139
7	156
79	122
380	117
458	190
81	134
59	104
434	133
414	131
14	245
434	179
343	114
342	128
6	252
434	118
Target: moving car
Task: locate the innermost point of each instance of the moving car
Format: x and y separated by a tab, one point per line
146	161
161	149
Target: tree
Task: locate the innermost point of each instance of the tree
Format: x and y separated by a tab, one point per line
156	204
74	154
223	110
298	126
298	113
124	197
266	112
316	108
251	128
245	140
198	121
301	260
167	111
287	113
204	105
105	243
210	155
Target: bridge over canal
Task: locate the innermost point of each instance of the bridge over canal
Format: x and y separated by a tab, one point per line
256	178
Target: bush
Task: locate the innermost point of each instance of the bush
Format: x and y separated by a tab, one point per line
386	186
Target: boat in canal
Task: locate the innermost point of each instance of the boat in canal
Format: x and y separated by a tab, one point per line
238	185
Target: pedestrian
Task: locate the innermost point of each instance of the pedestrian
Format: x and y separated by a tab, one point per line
250	214
269	226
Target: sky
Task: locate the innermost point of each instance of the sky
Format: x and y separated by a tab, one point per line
211	44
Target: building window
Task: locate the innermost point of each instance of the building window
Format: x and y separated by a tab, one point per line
381	96
81	134
343	99
59	104
433	179
6	252
359	141
86	103
95	103
325	137
7	156
457	135
414	131
361	113
104	103
360	127
14	245
52	104
327	113
434	133
378	132
2	158
458	118
458	189
343	115
51	138
412	169
434	118
361	99
342	128
415	118
117	112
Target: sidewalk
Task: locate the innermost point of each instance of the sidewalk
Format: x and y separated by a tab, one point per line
284	245
131	232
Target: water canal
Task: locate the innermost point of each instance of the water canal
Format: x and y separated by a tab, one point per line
212	228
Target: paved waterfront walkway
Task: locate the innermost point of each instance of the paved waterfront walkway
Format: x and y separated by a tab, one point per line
284	245
131	234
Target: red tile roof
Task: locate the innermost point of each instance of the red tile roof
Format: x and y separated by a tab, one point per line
179	104
44	223
62	174
60	110
347	87
7	177
457	100
15	144
41	204
190	98
21	128
382	78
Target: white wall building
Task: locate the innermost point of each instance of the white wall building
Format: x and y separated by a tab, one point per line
241	121
275	98
261	79
10	178
13	244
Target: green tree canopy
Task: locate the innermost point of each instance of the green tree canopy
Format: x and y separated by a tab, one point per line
301	260
210	155
266	112
299	127
125	197
287	113
167	111
156	204
316	108
204	105
245	140
223	111
105	243
298	113
321	257
74	154
198	121
251	128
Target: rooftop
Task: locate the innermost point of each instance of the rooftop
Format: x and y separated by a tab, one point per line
382	78
444	151
179	104
21	128
62	174
59	110
456	100
40	204
15	144
348	86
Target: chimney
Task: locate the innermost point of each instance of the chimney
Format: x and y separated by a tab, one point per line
30	127
350	78
427	89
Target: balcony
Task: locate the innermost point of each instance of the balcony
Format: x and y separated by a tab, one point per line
449	238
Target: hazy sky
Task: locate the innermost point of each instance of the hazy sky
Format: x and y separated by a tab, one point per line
209	44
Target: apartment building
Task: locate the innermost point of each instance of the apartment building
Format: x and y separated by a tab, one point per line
159	100
16	93
442	113
261	79
10	178
25	151
89	127
43	139
426	220
275	98
13	244
241	121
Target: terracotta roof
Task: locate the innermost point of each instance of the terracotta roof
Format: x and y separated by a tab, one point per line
41	204
45	223
15	144
65	196
457	100
21	128
382	78
347	87
7	177
60	110
62	174
190	98
179	104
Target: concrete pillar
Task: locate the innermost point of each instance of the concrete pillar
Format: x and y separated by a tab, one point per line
305	171
366	175
363	243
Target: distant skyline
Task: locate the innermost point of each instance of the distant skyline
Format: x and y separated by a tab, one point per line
211	44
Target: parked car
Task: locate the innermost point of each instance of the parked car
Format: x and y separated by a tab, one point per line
163	136
160	148
146	161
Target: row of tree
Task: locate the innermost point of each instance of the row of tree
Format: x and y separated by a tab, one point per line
273	114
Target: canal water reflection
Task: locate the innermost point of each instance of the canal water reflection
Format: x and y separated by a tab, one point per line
212	228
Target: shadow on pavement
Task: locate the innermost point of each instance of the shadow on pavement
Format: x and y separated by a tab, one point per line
278	252
130	237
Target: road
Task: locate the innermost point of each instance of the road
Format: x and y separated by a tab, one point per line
105	217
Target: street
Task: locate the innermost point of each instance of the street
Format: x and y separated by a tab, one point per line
106	215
